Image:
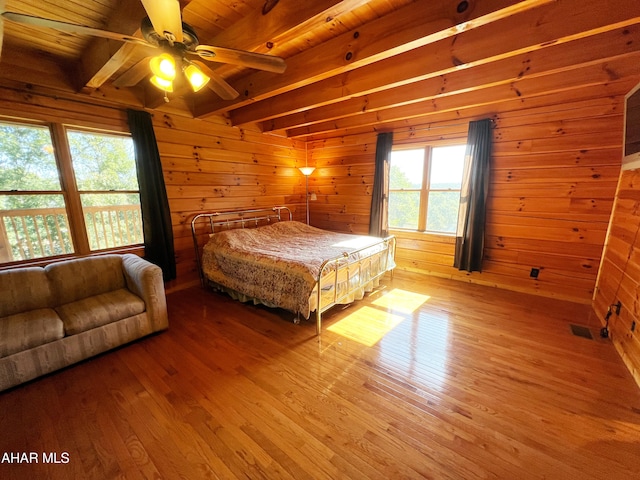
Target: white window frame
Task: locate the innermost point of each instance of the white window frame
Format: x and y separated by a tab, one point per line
425	188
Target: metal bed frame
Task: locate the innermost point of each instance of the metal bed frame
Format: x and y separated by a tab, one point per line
249	218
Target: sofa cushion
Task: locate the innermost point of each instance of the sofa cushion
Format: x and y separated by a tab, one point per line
80	278
99	310
24	289
29	329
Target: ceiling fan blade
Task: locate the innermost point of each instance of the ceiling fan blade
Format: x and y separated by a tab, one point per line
134	75
218	84
259	61
165	17
69	27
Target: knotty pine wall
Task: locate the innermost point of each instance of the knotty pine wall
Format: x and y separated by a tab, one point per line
619	278
207	165
555	167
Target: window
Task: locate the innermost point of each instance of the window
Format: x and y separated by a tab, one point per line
105	173
65	191
424	188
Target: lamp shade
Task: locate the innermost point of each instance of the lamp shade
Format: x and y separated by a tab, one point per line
197	79
306	171
162	84
163	66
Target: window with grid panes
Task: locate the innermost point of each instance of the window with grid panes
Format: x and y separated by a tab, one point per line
65	190
424	188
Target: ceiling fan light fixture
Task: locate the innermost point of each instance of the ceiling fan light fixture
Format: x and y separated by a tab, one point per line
162	84
163	66
163	28
196	77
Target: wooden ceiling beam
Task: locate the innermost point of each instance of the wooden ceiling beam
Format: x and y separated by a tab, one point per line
593	74
415	25
560	57
103	57
545	26
613	89
282	24
287	19
509	110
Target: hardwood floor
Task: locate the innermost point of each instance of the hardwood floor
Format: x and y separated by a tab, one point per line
472	382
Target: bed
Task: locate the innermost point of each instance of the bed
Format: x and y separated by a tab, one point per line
263	256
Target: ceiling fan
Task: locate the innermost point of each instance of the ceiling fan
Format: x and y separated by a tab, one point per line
181	51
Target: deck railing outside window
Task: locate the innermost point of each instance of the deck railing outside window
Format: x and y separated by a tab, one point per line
65	190
42	232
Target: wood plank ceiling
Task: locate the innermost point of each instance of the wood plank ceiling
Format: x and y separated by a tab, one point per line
352	66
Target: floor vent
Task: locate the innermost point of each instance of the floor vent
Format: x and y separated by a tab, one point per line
580	331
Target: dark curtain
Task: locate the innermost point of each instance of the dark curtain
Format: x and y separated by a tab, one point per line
378	219
473	198
156	218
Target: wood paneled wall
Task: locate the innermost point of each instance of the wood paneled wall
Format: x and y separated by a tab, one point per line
555	166
207	165
554	174
619	278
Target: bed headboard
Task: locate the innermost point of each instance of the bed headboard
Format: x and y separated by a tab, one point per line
228	219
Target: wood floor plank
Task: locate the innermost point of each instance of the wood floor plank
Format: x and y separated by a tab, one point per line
471	382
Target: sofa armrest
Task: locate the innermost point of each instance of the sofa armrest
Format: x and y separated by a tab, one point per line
145	280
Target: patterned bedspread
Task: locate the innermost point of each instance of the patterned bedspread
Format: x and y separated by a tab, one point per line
279	263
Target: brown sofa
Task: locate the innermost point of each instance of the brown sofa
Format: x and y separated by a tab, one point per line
55	316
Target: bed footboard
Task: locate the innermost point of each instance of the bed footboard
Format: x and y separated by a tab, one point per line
352	265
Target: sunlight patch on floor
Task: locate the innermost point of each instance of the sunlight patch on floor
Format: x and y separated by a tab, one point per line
401	300
366	325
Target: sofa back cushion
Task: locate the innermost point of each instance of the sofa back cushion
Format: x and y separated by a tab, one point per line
73	280
24	289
